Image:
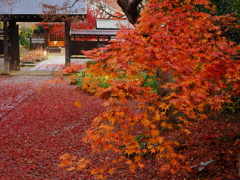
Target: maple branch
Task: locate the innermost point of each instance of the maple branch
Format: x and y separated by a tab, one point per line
73	4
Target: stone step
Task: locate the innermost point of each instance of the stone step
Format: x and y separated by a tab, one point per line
28	65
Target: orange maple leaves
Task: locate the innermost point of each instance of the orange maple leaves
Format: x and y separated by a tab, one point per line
175	38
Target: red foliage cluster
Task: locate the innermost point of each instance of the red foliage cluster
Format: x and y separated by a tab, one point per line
196	75
73	68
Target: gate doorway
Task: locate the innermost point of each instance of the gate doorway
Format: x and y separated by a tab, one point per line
23	11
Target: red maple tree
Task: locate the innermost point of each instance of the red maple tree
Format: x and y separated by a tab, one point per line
198	74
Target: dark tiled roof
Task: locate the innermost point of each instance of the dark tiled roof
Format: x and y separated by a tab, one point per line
34	7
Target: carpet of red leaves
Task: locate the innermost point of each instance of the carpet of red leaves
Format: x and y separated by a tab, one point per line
42	127
211	140
39	123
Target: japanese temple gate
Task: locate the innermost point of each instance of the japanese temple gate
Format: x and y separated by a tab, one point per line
30	11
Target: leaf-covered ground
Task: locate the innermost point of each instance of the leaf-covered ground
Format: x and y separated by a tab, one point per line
43	125
39	122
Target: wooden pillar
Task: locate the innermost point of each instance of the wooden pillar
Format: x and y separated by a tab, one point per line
14	47
67	44
6	45
11	47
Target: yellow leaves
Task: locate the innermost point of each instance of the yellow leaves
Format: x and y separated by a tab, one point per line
111	170
137	158
132	167
100	172
78	104
65	156
129	162
96	171
70	169
157	117
160	140
174	162
67	161
106	103
114	161
187	1
187	131
204	40
73	78
190	19
154	132
101	177
164	106
140	165
206	2
120	114
153	151
146	122
129	151
176	143
82	163
150	73
164	124
218	33
111	119
105	127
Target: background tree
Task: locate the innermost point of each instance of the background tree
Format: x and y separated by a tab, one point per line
228	17
26	31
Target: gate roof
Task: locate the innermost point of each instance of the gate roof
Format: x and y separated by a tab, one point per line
34	7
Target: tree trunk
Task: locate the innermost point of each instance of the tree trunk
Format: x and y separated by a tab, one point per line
162	79
131	8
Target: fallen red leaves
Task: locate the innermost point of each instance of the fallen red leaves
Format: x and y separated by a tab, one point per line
211	140
41	128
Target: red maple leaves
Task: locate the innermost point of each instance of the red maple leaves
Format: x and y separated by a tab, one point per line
184	44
